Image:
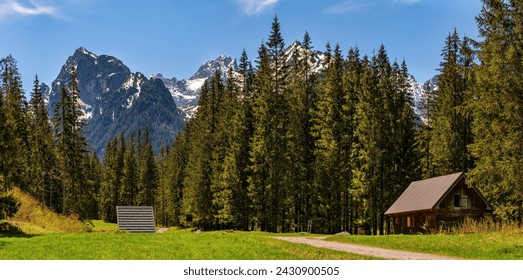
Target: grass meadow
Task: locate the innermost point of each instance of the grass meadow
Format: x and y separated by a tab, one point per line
35	233
476	246
173	245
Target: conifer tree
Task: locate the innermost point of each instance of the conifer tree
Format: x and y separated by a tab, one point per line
130	175
148	177
197	196
176	170
109	194
451	123
425	133
301	100
163	195
330	155
352	83
496	106
8	205
16	127
268	151
71	149
42	157
228	182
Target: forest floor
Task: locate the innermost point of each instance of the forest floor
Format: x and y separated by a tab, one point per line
363	250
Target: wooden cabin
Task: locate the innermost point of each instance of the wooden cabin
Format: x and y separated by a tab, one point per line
431	204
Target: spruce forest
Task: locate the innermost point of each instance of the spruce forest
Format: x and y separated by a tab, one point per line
277	146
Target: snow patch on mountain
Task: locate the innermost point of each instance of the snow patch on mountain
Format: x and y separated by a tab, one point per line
114	100
186	92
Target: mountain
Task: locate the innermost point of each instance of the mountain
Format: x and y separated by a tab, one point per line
186	93
115	100
316	58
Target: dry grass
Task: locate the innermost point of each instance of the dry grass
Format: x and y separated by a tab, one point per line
35	218
487	226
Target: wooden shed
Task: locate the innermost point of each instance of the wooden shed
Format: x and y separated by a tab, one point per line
443	201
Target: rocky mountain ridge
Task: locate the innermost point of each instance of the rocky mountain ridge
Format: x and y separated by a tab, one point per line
115	100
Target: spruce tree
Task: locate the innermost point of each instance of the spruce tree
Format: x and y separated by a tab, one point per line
227	182
424	134
268	185
16	126
148	177
72	149
129	187
367	149
451	123
42	158
352	85
176	170
8	205
109	194
330	155
496	107
301	100
197	196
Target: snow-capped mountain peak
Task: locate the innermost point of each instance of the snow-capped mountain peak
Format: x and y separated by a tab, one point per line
186	92
221	64
116	100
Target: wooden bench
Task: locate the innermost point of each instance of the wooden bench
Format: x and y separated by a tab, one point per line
135	218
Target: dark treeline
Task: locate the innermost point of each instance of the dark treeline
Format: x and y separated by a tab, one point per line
47	158
279	145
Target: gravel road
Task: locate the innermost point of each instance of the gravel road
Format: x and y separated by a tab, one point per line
364	250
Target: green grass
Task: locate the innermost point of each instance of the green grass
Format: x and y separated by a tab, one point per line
101	226
173	245
479	246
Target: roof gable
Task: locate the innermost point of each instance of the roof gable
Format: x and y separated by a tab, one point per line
424	194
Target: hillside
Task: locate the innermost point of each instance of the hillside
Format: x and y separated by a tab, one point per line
35	218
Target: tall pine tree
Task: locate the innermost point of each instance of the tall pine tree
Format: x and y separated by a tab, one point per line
496	106
72	150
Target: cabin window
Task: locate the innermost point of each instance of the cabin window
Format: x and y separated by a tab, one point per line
410	221
457	200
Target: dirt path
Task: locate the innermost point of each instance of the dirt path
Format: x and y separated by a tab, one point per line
162	230
364	250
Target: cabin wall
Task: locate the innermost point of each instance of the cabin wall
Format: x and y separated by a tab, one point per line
433	221
462	198
417	222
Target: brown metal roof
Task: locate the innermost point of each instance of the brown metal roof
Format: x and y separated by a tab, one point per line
424	194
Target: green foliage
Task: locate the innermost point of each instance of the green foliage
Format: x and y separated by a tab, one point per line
496	109
14	158
42	156
72	152
269	161
129	176
451	120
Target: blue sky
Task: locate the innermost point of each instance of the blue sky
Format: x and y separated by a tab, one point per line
175	37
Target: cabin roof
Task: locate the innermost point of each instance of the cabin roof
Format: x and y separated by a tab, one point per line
424	194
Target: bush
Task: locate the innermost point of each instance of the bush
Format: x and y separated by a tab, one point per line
8	207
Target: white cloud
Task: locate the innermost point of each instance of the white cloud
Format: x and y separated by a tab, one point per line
30	8
342	7
408	1
252	7
346	6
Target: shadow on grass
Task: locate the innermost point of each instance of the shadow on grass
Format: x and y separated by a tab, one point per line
8	230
